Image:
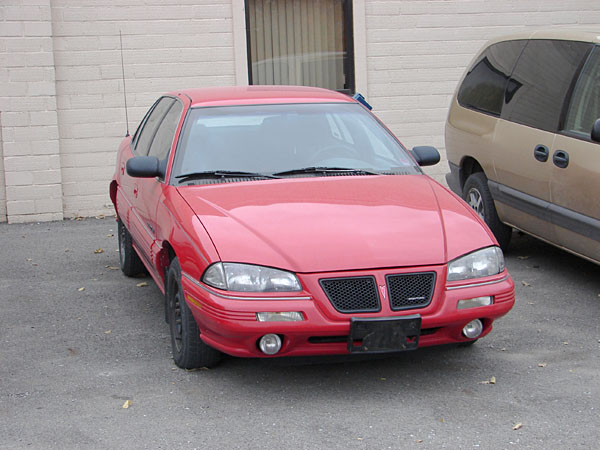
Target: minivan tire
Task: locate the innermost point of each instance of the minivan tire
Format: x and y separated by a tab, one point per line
476	193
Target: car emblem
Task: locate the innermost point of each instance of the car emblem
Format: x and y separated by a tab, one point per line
382	287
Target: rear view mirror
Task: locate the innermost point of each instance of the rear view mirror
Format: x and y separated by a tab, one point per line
143	167
595	135
426	155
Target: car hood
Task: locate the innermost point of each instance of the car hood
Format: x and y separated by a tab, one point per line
336	223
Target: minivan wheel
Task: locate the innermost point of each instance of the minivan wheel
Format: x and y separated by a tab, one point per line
476	193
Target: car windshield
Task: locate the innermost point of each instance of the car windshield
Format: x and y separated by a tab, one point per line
287	140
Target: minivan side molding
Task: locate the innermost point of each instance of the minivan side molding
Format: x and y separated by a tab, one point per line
558	215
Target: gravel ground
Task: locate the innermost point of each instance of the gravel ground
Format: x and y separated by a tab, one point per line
78	339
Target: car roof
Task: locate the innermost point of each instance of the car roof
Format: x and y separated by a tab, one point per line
564	34
253	95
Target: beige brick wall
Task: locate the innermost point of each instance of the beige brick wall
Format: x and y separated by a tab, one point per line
418	49
167	44
30	148
61	92
2	185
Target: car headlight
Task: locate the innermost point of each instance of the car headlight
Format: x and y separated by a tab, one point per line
250	278
481	263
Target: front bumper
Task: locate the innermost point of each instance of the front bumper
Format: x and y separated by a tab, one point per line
227	320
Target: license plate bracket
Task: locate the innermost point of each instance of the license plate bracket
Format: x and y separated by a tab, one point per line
384	334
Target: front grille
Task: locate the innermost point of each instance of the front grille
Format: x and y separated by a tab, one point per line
352	294
410	290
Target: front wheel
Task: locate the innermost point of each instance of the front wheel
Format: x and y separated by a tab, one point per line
189	352
476	193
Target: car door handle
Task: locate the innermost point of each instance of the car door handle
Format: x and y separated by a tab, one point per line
560	159
541	153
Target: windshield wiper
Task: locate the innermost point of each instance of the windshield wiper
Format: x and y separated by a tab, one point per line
222	174
325	170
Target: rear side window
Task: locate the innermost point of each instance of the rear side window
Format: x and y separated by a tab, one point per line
484	85
540	82
584	109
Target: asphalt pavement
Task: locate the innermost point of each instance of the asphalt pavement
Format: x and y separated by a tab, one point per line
78	341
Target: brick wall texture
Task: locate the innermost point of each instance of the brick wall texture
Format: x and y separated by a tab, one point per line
61	89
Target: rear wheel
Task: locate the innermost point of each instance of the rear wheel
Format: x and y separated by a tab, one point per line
129	261
476	193
189	352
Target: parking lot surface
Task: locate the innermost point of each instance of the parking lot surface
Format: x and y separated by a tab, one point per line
78	340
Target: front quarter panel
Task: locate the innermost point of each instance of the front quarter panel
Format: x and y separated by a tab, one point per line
186	234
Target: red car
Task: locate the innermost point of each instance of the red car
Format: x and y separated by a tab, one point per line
288	221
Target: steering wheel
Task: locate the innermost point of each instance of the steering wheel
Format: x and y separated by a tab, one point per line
338	149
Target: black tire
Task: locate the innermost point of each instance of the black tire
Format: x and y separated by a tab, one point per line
130	262
189	352
477	194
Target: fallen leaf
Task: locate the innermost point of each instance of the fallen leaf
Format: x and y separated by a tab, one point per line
94	279
98	250
383	379
109	235
503	349
100	216
566	343
107	332
523	257
359	439
67	250
419	441
81	289
525	283
492	380
542	365
28	259
142	284
113	267
518	426
531	303
127	404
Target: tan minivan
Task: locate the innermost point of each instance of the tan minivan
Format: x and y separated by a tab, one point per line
523	138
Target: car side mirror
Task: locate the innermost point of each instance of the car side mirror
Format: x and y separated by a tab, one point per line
143	167
595	135
426	155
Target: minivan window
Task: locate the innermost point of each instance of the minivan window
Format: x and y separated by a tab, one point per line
484	85
540	82
584	109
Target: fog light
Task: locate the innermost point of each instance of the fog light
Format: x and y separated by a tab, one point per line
287	316
474	302
473	329
270	344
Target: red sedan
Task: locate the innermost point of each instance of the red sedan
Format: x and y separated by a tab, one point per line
287	221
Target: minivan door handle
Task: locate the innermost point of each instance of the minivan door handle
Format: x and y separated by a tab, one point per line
541	153
560	159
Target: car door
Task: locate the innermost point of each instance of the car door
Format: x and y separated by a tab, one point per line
141	234
524	136
575	182
151	190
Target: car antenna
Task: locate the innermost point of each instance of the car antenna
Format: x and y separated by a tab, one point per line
124	90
